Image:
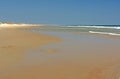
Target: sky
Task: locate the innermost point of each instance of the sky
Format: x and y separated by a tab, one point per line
61	11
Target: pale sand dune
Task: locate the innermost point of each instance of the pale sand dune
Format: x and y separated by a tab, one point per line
19	25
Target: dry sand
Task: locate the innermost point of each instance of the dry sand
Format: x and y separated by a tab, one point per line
75	58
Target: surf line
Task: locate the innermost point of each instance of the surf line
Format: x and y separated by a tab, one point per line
104	33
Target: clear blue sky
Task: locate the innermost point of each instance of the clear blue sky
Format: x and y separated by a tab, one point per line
61	11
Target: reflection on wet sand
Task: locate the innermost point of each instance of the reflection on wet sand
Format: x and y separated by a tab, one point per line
49	50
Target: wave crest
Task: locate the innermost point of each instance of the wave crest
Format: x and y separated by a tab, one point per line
107	27
106	33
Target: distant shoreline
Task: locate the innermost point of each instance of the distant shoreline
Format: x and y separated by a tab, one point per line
15	25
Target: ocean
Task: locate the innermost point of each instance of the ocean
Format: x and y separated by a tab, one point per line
97	29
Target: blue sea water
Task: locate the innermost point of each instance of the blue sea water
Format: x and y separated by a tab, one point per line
97	29
100	29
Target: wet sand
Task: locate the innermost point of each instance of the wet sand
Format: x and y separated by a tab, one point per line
77	56
13	44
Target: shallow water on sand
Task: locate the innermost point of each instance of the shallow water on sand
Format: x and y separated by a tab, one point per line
78	56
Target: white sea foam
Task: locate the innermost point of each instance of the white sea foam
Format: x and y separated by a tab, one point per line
116	34
113	27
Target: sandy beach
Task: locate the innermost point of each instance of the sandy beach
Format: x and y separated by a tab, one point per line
13	44
43	55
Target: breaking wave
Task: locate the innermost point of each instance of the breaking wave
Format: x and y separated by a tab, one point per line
106	33
107	27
